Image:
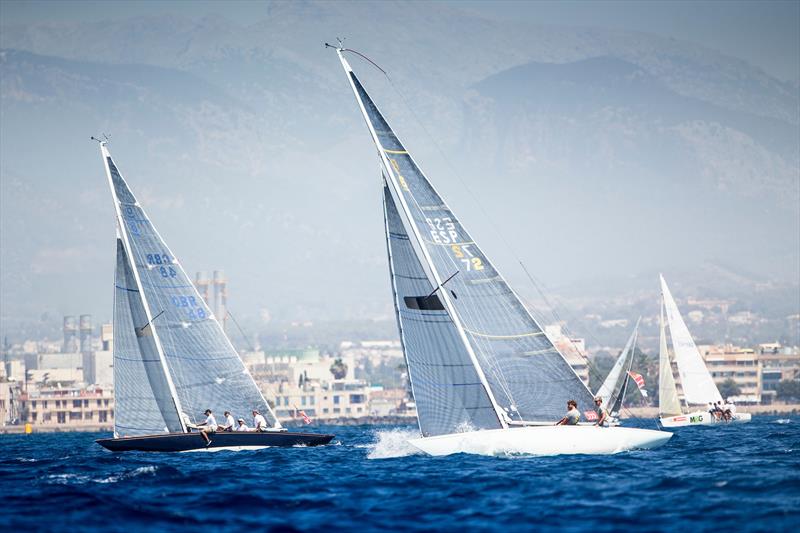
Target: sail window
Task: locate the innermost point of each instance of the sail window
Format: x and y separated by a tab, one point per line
424	303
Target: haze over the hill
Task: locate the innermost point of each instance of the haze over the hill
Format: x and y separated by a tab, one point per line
593	154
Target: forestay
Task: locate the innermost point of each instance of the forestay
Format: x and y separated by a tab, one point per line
527	376
204	369
698	385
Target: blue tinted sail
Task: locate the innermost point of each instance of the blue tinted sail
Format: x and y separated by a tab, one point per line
529	378
203	366
446	387
144	404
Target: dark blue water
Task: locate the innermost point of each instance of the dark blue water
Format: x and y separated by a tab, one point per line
743	478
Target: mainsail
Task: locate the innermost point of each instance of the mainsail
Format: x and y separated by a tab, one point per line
698	385
525	376
668	404
613	389
174	329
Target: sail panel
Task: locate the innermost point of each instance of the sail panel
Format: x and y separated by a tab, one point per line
698	385
143	402
205	369
448	392
528	377
668	403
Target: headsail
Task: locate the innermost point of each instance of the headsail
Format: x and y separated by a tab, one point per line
447	390
668	404
613	389
698	385
201	366
527	378
144	404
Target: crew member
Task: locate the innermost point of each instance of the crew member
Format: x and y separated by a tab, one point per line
230	423
602	412
259	422
208	426
573	415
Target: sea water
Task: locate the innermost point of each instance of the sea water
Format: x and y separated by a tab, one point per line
728	477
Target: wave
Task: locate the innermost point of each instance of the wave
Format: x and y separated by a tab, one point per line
393	443
783	421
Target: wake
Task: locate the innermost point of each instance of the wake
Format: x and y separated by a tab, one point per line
393	443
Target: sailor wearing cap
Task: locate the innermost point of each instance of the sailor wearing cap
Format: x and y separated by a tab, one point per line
242	426
602	412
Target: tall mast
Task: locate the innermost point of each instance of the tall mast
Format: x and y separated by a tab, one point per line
419	245
148	313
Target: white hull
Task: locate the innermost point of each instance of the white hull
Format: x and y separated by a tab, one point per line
543	440
701	418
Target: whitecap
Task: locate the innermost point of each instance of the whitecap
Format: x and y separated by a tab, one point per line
393	443
783	421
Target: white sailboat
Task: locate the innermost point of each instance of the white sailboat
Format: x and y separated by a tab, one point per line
485	377
615	386
171	358
699	389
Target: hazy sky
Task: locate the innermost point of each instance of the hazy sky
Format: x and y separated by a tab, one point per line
635	137
764	33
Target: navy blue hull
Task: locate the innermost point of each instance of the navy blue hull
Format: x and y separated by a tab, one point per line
182	442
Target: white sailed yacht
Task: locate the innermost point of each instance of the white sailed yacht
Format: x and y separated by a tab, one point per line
485	377
171	358
615	386
699	389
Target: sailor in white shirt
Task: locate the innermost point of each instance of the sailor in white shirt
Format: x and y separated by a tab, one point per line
230	423
242	426
209	426
259	421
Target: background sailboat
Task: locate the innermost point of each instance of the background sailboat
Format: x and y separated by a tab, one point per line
615	386
171	358
479	364
698	386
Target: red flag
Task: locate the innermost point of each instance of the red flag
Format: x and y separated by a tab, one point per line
590	415
306	420
639	382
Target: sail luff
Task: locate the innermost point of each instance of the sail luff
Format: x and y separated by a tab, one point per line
668	404
148	312
420	247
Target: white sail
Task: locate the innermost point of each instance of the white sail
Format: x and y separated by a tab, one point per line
526	378
698	385
611	387
668	404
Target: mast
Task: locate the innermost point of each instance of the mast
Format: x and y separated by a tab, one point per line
419	246
126	243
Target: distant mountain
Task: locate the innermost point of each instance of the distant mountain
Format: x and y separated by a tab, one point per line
595	152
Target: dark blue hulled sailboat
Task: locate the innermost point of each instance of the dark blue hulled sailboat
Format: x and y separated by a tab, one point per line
171	356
